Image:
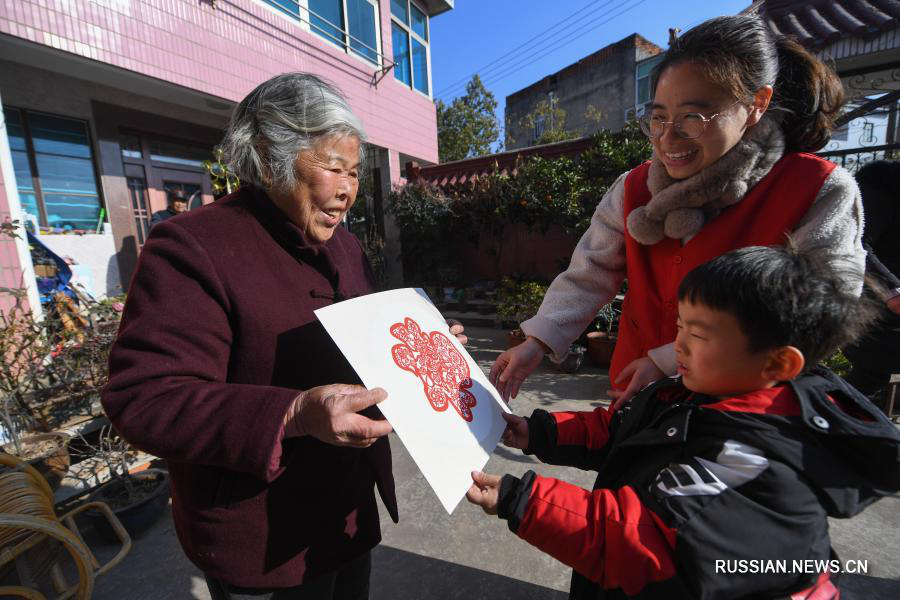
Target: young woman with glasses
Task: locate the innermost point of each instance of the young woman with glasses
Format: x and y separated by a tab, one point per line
736	109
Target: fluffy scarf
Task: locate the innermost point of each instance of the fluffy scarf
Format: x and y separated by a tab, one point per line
679	208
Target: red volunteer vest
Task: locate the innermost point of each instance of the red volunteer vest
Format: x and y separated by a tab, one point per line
762	218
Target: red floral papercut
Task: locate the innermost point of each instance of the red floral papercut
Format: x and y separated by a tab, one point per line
440	367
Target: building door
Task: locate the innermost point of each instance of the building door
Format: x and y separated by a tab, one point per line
190	184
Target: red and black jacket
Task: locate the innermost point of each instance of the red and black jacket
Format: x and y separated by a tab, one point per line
685	480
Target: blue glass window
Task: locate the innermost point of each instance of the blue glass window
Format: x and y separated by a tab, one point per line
15	130
327	19
399	9
361	17
419	23
291	7
401	54
61	151
420	66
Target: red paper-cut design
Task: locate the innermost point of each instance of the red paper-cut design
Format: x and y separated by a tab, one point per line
439	366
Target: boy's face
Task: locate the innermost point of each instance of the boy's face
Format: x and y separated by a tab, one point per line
713	353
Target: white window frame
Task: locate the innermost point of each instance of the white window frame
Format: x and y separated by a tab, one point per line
411	36
304	20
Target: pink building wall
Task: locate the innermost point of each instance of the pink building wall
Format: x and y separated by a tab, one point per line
10	266
225	51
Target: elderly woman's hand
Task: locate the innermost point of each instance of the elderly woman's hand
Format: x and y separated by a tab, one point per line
330	413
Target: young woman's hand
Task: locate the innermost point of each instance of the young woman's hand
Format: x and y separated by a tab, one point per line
484	491
513	366
641	372
516	433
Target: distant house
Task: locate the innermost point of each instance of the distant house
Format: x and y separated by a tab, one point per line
861	38
602	84
106	105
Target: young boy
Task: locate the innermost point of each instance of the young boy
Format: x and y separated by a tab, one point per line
715	483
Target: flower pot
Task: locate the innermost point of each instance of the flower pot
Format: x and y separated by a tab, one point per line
137	515
600	348
46	452
514	338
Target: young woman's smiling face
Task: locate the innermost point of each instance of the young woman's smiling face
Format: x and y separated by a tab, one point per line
683	88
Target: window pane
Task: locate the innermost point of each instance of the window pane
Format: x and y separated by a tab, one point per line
361	17
28	200
58	135
15	130
24	183
179	154
131	145
401	53
399	10
420	67
327	20
66	174
289	6
72	212
419	23
643	91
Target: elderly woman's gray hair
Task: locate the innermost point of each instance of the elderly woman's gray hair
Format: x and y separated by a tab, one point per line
285	115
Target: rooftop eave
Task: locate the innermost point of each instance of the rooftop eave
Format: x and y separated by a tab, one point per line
436	7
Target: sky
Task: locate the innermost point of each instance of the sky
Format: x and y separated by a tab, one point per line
513	43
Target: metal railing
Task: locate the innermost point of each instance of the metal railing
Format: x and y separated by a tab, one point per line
854	158
346	40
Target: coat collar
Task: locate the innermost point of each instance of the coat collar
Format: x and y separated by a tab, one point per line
286	233
323	257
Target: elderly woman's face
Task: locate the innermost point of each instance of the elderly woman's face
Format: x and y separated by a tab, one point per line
327	182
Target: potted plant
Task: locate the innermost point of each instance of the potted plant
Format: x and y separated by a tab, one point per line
136	498
52	373
601	341
517	302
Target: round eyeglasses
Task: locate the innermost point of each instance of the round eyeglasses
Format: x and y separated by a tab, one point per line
688	125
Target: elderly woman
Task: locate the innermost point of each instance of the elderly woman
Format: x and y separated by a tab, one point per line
222	369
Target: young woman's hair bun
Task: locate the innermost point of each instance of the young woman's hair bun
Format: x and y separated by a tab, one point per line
810	94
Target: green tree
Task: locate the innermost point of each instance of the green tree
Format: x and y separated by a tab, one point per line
545	124
468	126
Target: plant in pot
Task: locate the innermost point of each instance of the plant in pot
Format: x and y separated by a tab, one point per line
26	347
136	498
601	341
517	302
52	374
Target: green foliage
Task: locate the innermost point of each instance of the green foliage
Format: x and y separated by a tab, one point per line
468	126
838	363
542	192
550	120
519	301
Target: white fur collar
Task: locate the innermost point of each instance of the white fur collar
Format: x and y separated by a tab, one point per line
679	208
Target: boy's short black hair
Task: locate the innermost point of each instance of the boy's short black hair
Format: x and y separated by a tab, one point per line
780	297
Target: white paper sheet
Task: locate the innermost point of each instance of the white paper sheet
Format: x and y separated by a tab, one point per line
439	401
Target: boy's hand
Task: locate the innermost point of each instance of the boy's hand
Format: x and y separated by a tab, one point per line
485	491
516	433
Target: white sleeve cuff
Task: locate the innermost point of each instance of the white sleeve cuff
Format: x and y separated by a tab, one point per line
664	358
